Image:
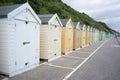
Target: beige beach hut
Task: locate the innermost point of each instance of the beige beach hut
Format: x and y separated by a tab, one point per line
50	37
76	35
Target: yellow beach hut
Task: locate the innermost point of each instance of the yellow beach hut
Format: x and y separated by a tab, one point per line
50	37
81	36
67	36
76	35
87	35
84	36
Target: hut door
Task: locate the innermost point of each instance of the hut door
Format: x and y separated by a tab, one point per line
25	44
54	40
52	45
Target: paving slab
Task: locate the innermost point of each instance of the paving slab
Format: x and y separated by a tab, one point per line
80	54
43	72
67	62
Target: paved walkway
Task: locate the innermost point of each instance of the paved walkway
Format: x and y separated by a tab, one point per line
93	62
103	65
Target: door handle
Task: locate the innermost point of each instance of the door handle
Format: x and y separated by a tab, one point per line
24	43
55	39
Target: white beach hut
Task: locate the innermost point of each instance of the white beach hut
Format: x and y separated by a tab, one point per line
19	39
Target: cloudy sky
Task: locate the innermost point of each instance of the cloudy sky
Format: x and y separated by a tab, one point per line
107	11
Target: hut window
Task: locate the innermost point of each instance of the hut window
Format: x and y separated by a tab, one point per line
26	22
55	26
26	10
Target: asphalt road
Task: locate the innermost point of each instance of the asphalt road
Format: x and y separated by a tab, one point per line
103	65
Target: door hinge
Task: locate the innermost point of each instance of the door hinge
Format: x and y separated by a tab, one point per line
15	24
15	63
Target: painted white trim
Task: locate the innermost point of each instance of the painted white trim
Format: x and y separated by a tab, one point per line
66	77
68	53
23	70
53	17
77	49
69	22
21	8
49	60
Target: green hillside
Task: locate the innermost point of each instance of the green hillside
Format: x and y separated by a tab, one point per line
63	10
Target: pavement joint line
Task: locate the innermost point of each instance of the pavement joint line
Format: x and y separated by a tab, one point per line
5	79
42	63
73	57
60	66
85	52
71	73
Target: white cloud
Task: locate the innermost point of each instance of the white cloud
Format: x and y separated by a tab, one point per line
107	11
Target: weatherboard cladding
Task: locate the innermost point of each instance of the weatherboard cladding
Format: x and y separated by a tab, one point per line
45	18
4	10
12	53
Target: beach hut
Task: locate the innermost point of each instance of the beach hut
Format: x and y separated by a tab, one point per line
67	36
87	35
50	47
81	37
96	35
76	35
90	35
100	35
84	36
93	35
19	39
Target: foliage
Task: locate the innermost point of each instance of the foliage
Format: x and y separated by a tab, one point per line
63	10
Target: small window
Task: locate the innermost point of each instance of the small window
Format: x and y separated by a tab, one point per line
55	26
26	22
26	10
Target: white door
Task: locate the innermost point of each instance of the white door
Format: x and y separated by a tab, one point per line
57	40
25	44
54	41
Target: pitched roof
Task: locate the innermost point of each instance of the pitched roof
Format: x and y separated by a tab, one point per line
45	18
64	21
81	26
75	24
4	10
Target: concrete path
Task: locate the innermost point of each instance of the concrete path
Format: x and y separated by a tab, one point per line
103	65
99	61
